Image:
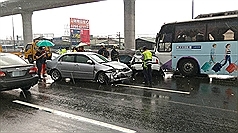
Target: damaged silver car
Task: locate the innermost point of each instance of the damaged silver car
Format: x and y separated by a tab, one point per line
88	66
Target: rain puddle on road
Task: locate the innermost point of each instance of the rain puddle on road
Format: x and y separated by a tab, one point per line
133	105
198	91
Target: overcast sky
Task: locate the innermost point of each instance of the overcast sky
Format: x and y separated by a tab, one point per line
107	17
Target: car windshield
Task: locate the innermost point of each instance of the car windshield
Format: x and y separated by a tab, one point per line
138	52
8	60
99	58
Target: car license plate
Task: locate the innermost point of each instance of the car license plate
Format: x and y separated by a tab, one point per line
17	73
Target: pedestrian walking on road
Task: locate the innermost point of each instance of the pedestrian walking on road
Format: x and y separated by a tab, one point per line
146	64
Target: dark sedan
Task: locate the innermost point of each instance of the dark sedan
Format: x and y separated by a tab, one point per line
16	73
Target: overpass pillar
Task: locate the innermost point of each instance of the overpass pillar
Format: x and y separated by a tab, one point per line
129	24
27	26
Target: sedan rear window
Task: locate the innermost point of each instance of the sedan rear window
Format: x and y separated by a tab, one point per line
8	60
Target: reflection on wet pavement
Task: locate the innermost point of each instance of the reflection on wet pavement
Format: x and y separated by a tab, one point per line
144	109
201	91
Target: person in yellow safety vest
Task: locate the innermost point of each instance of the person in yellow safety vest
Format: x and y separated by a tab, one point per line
63	51
146	64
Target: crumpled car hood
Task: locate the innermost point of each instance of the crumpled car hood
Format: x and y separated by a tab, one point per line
116	65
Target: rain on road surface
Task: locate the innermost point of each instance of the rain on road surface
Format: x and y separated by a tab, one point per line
172	105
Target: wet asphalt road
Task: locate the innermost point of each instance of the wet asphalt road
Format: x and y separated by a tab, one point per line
172	105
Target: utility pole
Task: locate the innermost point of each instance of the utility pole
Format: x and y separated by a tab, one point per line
108	40
192	9
13	32
119	37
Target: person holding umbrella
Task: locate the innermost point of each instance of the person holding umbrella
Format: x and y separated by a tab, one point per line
39	61
44	43
44	58
41	56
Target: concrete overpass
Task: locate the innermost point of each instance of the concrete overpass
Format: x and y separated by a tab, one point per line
27	7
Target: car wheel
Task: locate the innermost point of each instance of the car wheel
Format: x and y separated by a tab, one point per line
188	67
102	78
30	59
55	75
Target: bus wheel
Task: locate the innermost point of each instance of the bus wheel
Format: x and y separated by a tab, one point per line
30	59
188	67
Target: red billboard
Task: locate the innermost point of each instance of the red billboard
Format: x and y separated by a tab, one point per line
85	36
83	26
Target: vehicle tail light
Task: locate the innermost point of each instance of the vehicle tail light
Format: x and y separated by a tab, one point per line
157	61
2	74
33	70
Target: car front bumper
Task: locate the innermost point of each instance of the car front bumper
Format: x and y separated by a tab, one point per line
120	76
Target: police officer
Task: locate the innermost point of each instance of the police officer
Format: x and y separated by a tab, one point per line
146	64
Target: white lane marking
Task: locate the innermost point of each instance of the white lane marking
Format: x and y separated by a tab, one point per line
208	107
157	89
79	118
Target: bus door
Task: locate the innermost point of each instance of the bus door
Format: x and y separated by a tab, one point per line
163	50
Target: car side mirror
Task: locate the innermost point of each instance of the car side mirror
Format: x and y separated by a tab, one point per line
90	62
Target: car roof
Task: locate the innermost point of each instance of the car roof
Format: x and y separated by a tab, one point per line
85	53
7	54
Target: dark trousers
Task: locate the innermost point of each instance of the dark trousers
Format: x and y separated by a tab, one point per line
228	58
39	67
147	74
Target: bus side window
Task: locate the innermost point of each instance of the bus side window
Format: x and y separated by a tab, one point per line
181	38
210	37
199	37
165	47
229	35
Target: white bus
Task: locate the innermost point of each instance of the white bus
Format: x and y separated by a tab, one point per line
207	44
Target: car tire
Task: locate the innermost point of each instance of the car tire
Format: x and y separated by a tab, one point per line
30	59
55	75
102	78
188	67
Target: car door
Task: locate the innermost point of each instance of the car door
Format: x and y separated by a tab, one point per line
66	65
82	69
